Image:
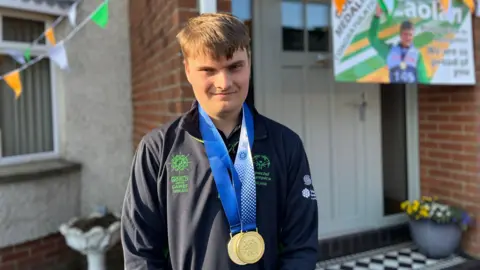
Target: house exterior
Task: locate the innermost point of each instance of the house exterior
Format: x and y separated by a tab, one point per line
409	141
67	141
370	146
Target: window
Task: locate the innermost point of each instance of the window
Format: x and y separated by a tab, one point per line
305	25
26	124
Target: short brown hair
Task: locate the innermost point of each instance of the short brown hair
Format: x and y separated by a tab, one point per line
213	34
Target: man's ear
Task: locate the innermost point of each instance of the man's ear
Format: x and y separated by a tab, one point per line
187	69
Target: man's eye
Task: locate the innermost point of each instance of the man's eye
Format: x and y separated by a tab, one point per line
208	70
235	67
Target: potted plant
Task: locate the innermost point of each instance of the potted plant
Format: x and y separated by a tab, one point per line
435	227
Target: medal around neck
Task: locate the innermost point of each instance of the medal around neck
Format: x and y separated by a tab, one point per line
246	245
403	65
232	249
250	247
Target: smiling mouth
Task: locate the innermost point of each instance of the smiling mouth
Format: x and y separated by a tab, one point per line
224	94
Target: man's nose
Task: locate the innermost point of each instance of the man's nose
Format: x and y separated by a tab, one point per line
223	80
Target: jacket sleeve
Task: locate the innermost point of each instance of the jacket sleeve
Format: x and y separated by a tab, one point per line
143	226
299	234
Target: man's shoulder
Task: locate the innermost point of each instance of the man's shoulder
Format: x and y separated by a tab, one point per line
155	138
279	131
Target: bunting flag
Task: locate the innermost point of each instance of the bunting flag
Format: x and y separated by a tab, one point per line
388	6
17	55
72	14
28	54
50	36
447	4
57	51
446	7
13	80
100	17
470	4
58	54
339	5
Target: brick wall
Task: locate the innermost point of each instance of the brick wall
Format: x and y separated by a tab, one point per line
449	145
160	90
49	253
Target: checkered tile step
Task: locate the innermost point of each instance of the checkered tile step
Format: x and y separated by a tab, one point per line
399	257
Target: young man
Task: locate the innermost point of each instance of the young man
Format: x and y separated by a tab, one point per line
222	187
404	61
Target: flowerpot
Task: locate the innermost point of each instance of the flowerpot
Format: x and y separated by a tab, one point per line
92	236
435	240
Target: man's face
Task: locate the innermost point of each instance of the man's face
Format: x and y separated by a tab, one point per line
406	37
220	86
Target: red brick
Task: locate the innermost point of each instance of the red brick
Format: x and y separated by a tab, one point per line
449	132
9	266
160	90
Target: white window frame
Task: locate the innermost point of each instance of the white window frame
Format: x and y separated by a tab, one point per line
35	51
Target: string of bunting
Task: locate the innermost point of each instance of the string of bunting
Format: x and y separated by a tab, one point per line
56	50
388	6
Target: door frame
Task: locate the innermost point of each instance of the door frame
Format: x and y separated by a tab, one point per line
264	56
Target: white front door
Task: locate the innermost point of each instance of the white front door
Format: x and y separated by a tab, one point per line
339	123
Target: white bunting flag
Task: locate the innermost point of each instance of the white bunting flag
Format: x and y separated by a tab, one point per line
72	14
58	54
18	56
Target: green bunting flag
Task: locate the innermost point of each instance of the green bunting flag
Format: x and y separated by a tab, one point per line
388	6
100	17
28	54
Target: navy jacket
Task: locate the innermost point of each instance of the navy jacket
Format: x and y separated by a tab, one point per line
172	216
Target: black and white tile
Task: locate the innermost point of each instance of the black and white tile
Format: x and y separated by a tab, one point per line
399	257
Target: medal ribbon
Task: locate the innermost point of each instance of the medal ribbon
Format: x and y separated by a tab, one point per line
238	198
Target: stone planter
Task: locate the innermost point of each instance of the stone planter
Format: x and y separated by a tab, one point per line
92	236
435	240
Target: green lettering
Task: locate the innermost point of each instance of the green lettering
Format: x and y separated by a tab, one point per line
179	183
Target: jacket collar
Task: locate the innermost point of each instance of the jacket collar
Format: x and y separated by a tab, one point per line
190	122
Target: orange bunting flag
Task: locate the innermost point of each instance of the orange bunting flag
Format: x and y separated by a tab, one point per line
444	5
13	80
50	36
470	4
339	5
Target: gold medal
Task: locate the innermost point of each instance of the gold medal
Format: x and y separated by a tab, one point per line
232	251
403	65
250	247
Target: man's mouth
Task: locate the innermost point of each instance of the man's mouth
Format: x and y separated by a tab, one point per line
224	93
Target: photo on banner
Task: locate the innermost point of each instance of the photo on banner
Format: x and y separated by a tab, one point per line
403	41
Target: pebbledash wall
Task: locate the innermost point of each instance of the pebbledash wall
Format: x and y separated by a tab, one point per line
95	118
449	117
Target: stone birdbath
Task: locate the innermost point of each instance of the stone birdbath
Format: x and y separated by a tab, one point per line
93	236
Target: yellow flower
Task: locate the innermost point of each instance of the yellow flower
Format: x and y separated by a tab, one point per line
404	205
424	213
426	199
415	206
409	210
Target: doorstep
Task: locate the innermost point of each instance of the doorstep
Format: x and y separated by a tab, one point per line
404	256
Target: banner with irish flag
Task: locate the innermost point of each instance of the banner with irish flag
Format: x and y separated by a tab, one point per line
403	41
